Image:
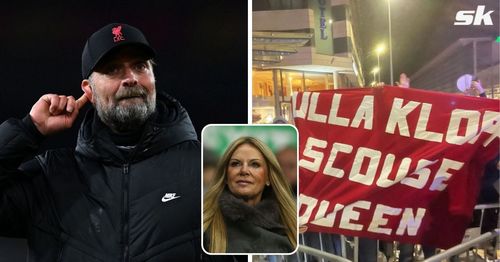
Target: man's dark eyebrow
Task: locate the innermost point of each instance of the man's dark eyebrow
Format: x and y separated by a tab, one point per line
112	62
105	66
140	60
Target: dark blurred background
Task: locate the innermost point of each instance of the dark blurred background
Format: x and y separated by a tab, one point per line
420	31
201	48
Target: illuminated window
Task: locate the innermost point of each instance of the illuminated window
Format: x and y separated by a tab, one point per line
262	85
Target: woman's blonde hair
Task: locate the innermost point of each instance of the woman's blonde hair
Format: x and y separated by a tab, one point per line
213	221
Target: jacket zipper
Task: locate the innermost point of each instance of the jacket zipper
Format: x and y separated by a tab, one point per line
125	212
59	259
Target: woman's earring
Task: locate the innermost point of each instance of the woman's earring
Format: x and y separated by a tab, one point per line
267	183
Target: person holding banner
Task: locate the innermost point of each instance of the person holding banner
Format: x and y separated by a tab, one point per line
477	88
489	182
249	208
470	85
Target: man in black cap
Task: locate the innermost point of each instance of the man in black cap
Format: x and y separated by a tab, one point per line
130	190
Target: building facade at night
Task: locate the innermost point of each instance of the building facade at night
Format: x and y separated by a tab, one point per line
478	56
300	45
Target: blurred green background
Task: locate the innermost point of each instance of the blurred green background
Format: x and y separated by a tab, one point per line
216	138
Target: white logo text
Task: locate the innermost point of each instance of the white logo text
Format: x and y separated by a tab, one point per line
474	17
169	196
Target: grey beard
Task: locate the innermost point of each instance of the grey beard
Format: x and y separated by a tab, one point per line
128	118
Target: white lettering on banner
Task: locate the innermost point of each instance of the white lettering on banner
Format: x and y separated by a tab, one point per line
310	203
363	113
329	169
301	113
316	155
326	220
418	179
379	220
312	115
384	180
489	125
399	114
422	174
442	174
333	118
411	222
361	154
421	130
350	214
398	117
457	115
349	158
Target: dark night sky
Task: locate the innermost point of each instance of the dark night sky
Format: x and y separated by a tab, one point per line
420	30
201	48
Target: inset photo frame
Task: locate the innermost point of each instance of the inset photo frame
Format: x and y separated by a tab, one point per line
249	200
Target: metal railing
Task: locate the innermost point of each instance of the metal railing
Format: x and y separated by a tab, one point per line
482	207
458	249
321	254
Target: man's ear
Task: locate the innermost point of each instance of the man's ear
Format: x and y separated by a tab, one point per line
87	89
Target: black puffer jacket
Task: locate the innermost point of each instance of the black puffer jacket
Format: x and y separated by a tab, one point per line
94	203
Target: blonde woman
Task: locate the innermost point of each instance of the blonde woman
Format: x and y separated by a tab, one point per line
249	208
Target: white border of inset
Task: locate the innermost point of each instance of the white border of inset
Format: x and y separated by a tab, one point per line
249	60
296	197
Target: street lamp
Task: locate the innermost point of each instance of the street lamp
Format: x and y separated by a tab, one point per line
374	72
379	50
390	39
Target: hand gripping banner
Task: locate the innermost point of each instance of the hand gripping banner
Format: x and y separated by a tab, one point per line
393	163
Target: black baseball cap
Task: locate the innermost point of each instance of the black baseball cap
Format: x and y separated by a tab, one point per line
109	38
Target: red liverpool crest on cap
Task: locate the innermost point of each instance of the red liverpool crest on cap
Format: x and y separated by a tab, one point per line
117	32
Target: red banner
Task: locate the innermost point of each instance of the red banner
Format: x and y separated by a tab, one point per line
393	163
